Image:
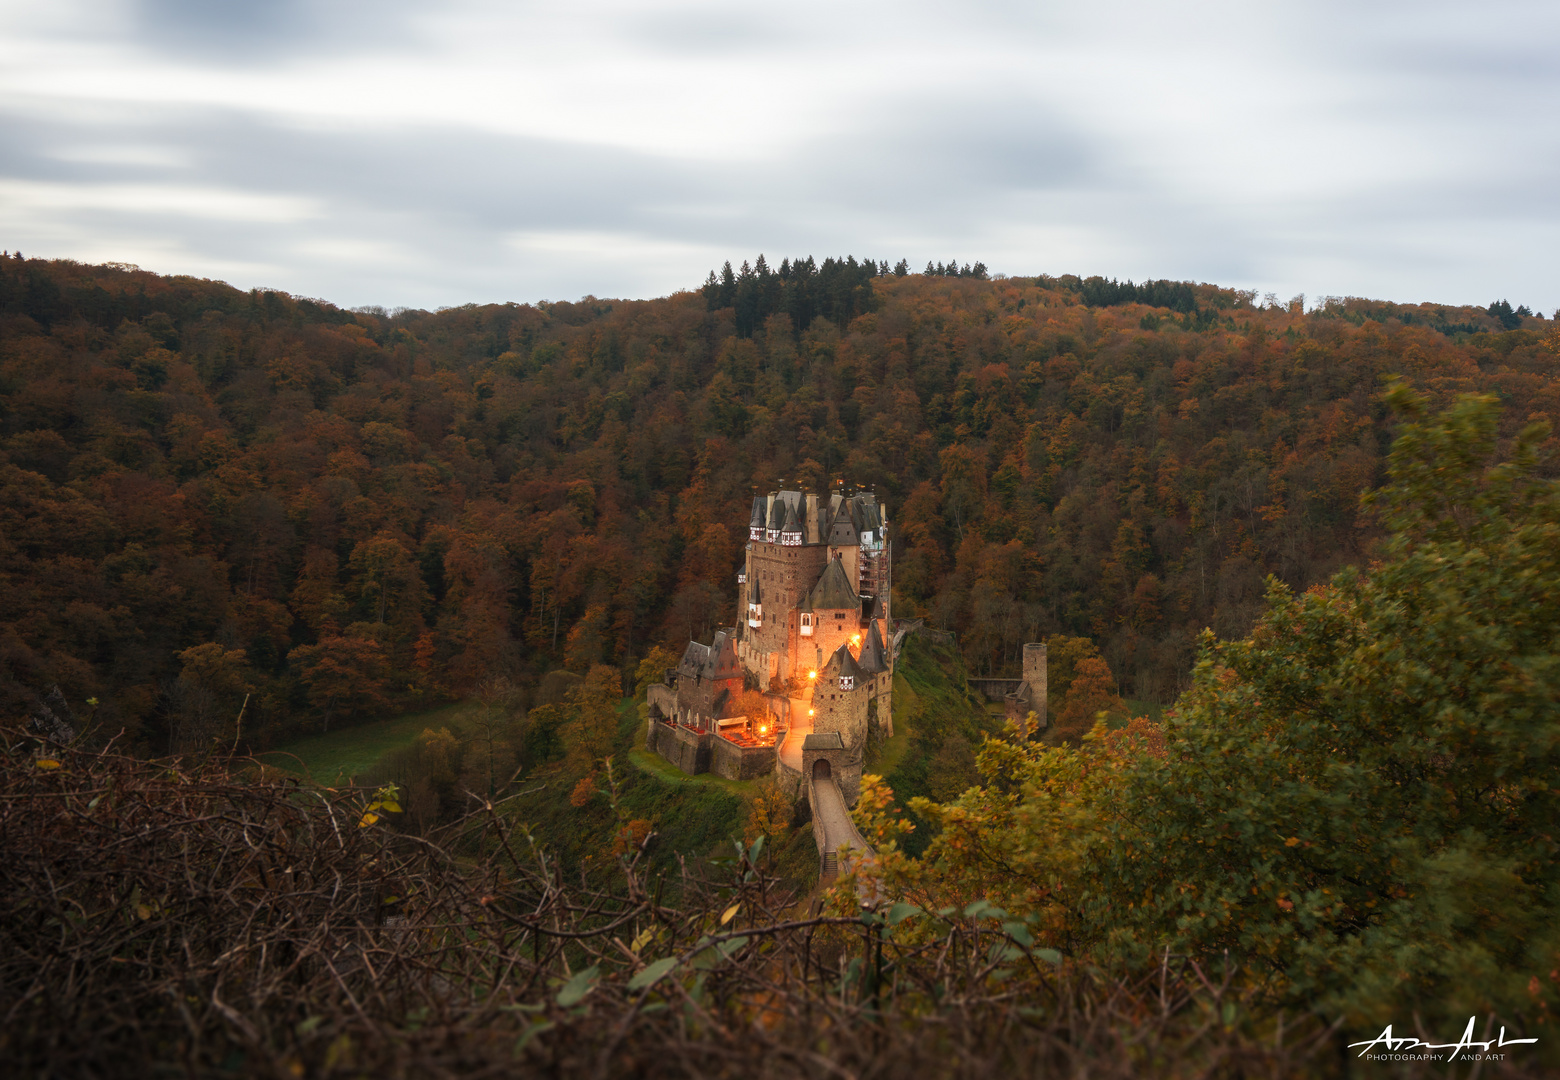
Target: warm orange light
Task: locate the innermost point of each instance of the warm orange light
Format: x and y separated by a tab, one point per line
855	639
810	712
812	674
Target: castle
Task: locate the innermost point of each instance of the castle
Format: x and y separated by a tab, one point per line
804	679
812	636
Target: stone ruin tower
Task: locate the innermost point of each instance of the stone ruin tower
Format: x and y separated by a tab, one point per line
1030	694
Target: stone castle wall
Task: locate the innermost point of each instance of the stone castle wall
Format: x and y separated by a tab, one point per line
689	750
741	762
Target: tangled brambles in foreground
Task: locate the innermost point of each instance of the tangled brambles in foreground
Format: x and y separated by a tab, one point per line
184	919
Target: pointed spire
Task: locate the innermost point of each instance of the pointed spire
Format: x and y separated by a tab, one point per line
791	531
834	590
843	664
872	656
843	533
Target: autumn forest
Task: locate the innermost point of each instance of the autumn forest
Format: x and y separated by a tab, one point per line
208	494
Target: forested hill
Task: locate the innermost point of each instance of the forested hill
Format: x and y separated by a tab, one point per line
206	492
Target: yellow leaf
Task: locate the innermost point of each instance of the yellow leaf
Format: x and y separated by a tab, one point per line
48	763
368	819
1292	841
731	913
643	939
143	912
393	807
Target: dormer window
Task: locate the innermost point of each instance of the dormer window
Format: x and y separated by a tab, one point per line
847	682
755	615
807	625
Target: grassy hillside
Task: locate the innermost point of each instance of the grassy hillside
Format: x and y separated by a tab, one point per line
691	816
938	724
338	756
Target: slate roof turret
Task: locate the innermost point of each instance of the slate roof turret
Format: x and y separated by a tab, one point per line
873	660
843	532
777	514
792	523
756	521
833	590
843	663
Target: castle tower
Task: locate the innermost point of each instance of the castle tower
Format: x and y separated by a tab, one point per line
1035	669
839	705
836	615
876	671
810	605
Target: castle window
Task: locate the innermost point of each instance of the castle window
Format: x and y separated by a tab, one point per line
847	682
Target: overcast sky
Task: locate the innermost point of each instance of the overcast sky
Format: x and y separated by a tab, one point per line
425	155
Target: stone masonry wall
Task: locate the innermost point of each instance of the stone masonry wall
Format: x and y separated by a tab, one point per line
741	762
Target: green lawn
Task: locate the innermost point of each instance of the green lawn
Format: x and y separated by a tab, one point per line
340	755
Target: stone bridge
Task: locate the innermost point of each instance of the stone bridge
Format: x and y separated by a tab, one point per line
824	766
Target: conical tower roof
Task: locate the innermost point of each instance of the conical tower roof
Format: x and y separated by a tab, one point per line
777	514
792	523
833	589
756	521
873	659
842	533
842	663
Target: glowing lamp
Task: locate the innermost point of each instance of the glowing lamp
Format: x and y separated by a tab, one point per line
810	712
812	674
855	639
